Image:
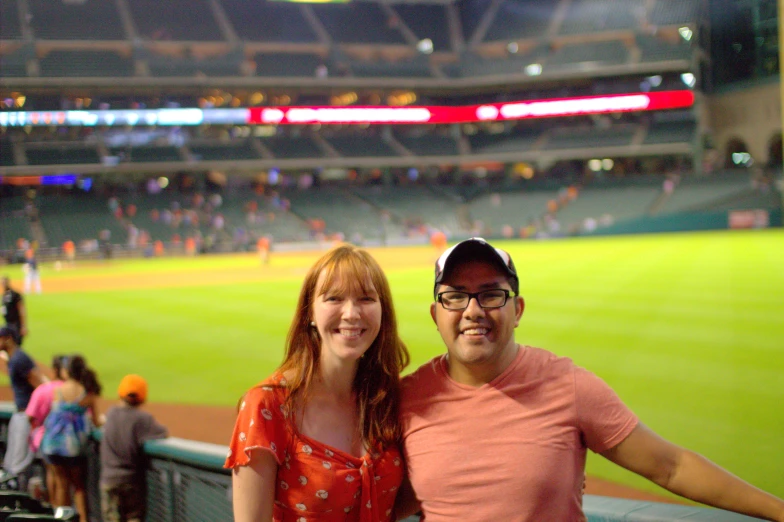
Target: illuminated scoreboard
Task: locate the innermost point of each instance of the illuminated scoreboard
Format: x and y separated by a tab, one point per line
424	114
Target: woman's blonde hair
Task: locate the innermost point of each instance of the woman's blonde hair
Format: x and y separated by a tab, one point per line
377	382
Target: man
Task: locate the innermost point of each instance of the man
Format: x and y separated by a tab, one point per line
14	311
494	430
25	377
32	277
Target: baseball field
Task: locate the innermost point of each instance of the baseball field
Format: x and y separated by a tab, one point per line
687	328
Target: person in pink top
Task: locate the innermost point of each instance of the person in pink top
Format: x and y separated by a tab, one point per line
494	430
39	407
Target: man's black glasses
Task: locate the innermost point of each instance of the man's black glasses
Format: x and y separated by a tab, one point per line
454	300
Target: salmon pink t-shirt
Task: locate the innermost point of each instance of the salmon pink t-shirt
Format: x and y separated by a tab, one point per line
315	482
513	449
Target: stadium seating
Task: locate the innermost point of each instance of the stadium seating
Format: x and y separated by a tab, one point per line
621	203
292	147
671	12
653	49
287	64
590	16
268	21
6	153
85	64
368	23
70	154
83	20
10	29
692	194
221	65
413	205
146	154
183	20
590	137
670	132
587	54
426	21
427	144
340	210
519	140
224	152
515	19
418	67
358	146
515	209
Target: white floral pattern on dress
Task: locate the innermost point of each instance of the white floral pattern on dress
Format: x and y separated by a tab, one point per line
322	494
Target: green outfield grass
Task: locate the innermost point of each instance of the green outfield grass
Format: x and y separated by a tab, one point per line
687	328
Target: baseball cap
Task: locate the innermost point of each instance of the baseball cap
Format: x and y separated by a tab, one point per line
133	388
10	330
471	249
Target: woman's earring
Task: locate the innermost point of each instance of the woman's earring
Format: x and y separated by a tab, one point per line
313	324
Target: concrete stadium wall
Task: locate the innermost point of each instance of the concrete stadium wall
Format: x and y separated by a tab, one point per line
751	114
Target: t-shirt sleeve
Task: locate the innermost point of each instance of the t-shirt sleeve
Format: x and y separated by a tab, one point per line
603	418
260	425
152	430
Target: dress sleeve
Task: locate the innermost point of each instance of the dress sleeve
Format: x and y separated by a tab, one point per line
604	420
260	425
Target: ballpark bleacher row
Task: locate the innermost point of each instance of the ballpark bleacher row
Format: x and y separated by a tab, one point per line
373	214
525	137
226	38
186	482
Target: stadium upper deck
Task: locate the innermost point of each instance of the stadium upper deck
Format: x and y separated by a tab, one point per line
448	44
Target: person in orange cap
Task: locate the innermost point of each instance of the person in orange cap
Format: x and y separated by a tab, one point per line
127	428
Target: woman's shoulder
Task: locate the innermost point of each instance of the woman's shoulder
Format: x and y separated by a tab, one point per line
272	390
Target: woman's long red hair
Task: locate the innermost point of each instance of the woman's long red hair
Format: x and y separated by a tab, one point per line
377	382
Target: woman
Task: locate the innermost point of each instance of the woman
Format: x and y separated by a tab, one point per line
319	438
39	407
66	430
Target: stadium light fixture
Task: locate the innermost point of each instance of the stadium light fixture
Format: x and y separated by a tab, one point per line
689	79
534	69
607	164
595	165
686	33
425	46
513	47
655	80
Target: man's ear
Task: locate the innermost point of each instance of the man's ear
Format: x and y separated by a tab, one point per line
519	308
433	312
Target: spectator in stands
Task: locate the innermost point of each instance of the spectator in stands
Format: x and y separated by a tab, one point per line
14	311
39	407
123	467
494	430
24	377
66	432
321	434
69	249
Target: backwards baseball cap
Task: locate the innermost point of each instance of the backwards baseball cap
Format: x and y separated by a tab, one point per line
475	248
10	330
133	388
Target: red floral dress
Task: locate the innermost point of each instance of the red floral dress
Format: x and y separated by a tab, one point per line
315	482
